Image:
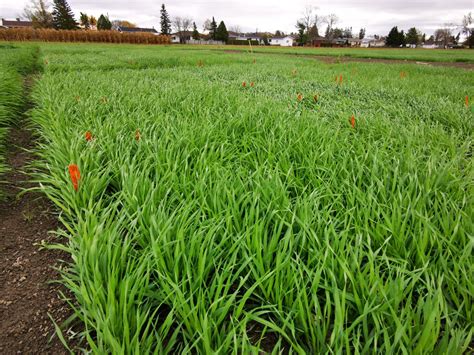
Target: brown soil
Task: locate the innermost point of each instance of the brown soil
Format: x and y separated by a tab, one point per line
26	294
342	59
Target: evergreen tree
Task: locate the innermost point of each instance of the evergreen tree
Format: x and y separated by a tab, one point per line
63	17
84	19
213	30
195	32
362	33
402	41
312	33
103	23
165	21
301	33
393	38
221	32
423	38
413	36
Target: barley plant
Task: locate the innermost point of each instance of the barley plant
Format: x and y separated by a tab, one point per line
299	214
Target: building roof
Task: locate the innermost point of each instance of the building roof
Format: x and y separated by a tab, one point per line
136	29
16	23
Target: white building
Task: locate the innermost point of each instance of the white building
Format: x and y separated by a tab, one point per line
372	42
286	41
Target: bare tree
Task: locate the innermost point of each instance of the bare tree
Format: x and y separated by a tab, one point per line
468	29
206	26
182	25
235	28
39	14
311	21
444	35
331	21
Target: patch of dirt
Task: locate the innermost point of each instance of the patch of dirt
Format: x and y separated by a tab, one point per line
342	59
26	293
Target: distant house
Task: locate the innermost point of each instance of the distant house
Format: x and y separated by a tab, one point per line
320	42
181	37
370	42
430	44
245	37
15	24
233	35
123	29
286	41
354	42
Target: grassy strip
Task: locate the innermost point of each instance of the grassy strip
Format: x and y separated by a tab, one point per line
14	63
245	219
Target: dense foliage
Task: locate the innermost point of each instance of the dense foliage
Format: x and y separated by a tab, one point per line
230	205
63	17
103	23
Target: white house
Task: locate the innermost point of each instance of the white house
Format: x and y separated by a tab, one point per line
286	41
372	42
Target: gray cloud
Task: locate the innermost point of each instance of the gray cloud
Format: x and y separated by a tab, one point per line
269	15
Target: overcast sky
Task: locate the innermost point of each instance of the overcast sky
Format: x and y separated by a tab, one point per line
376	16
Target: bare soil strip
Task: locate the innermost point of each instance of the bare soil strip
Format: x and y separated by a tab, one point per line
26	294
344	59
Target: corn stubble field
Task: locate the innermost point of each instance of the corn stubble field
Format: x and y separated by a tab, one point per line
207	215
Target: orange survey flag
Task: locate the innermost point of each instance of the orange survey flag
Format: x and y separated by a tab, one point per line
467	101
88	136
75	175
299	97
353	121
137	135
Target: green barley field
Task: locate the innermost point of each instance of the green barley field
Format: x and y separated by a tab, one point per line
216	217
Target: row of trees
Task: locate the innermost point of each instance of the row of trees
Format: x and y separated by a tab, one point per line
62	18
442	36
309	24
183	25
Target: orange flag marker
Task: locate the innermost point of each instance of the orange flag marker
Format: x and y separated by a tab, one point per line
75	175
353	121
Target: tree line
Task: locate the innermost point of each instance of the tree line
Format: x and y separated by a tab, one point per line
308	26
183	26
62	18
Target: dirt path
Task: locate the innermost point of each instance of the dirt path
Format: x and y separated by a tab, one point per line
26	296
343	59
